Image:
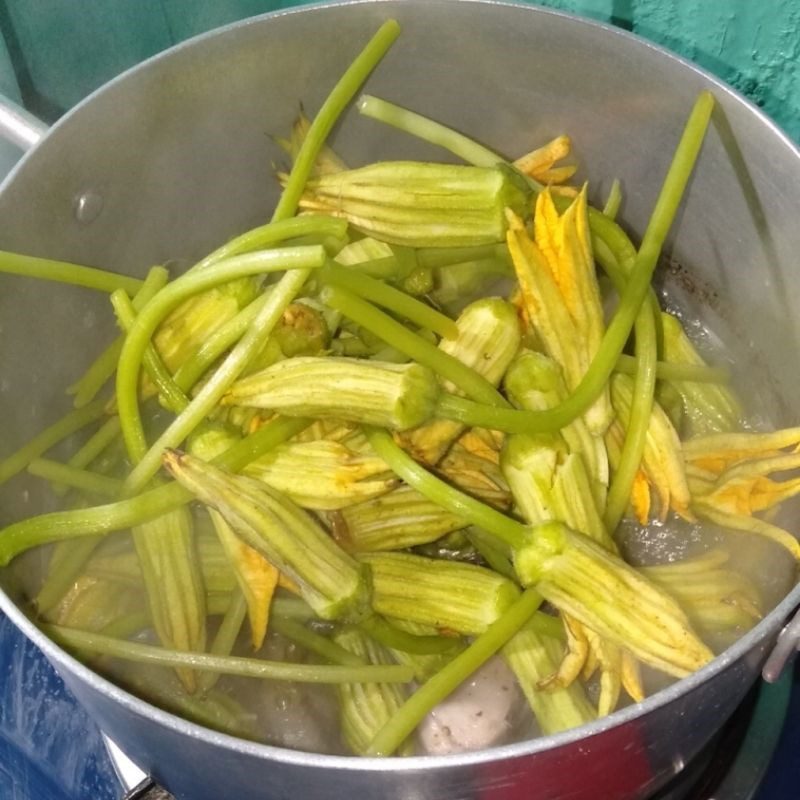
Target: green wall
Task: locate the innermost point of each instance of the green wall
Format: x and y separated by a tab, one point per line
63	49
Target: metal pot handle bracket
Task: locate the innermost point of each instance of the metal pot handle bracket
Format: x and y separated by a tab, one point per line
19	126
784	651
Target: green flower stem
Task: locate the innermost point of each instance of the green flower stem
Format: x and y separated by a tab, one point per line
60	525
341	95
668	371
66	563
63	272
426	129
436	257
294	259
388	297
494	553
225	638
82	479
616	254
444	682
127	625
393	637
437	491
225	665
105	435
92	448
172	395
274	233
614	200
619	261
70	423
401	338
315	643
294	608
103	367
508	420
619	491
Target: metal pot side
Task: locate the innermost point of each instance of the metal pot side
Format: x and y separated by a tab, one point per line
179	153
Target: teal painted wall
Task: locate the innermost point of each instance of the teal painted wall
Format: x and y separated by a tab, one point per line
63	49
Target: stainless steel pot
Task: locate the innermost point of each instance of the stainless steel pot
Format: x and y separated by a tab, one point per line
175	156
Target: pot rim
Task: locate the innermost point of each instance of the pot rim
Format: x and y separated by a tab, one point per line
756	636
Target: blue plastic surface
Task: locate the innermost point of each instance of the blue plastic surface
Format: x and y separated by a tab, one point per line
49	748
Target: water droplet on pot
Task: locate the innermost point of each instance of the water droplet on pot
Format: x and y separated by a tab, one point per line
87	207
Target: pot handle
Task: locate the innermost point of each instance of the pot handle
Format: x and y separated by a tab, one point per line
137	784
783	653
19	126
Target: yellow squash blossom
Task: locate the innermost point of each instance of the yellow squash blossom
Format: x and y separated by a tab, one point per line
559	291
730	479
662	469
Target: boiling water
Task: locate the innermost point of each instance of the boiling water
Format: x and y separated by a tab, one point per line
304	718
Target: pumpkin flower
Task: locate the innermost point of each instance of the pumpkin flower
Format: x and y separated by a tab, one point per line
715	597
540	164
730	479
322	475
662	469
327	160
708	407
559	294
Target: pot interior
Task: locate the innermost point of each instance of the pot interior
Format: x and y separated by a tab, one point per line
177	156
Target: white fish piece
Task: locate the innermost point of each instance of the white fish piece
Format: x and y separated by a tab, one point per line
479	714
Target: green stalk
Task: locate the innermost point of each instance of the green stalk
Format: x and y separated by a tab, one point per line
398	336
226	636
173	398
630	458
294	259
208	398
225	665
103	367
670	371
107	433
393	637
331	109
82	479
451	676
617	333
388	297
292	608
70	423
61	525
426	129
315	643
613	201
64	272
66	563
274	233
437	491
